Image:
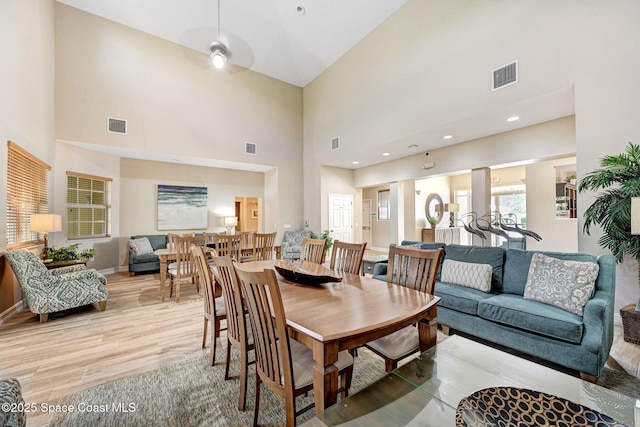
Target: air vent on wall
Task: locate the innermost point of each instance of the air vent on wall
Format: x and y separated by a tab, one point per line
335	143
116	125
504	76
250	148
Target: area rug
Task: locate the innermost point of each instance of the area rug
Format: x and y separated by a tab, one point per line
192	393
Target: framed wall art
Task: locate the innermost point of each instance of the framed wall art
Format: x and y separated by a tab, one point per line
182	208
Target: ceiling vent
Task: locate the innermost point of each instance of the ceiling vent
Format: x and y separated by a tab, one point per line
335	143
250	148
116	125
505	76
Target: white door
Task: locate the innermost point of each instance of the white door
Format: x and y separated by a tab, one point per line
341	217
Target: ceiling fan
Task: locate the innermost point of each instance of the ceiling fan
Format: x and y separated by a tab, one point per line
219	51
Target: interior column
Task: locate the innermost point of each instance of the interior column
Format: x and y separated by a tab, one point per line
481	199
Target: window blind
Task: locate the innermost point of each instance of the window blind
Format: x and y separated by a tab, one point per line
88	206
27	193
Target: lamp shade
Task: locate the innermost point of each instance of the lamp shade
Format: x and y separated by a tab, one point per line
452	207
230	221
45	223
635	215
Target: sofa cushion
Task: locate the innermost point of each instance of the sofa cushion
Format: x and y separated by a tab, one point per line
480	255
144	258
422	245
467	274
532	316
459	298
518	261
141	246
561	283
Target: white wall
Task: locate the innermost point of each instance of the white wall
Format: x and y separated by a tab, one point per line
176	105
69	158
139	185
27	101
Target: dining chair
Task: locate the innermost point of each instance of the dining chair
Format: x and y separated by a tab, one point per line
415	269
184	267
246	242
282	364
239	335
214	303
347	257
313	250
227	244
263	244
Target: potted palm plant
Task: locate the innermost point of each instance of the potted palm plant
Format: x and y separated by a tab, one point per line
616	181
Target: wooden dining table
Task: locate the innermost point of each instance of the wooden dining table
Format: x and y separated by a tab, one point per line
167	255
335	316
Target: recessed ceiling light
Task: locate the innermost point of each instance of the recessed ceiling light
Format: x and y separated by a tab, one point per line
355	162
513	118
300	9
385	154
447	137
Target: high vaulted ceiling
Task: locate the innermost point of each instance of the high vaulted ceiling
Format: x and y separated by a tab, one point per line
270	37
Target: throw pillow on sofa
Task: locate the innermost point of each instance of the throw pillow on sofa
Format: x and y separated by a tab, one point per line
564	284
141	246
467	274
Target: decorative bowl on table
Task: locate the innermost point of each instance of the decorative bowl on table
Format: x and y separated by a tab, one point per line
305	272
495	406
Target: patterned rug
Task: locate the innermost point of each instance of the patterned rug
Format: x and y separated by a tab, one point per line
191	393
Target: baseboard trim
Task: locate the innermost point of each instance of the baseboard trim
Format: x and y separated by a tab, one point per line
12	311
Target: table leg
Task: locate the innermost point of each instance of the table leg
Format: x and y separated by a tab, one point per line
325	375
163	274
428	330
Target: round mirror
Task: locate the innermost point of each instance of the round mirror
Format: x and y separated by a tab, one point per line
434	209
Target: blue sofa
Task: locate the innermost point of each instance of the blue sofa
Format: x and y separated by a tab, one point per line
147	263
503	316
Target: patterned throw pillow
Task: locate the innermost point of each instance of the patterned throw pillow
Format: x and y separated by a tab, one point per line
564	284
141	246
467	274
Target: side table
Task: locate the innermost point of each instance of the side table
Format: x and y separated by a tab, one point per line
369	261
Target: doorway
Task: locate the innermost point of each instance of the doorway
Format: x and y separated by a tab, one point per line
249	213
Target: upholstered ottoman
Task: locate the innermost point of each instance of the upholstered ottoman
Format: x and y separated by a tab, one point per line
11	404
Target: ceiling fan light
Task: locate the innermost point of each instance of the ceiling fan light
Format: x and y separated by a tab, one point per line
218	54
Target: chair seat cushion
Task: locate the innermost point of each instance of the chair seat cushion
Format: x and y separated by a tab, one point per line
221	310
302	358
398	344
532	316
460	298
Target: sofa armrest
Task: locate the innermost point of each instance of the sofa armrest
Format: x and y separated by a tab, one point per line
598	324
380	268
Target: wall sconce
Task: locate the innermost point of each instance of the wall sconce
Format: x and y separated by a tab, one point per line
451	208
231	222
635	215
45	223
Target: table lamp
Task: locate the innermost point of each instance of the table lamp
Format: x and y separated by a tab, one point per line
451	208
46	223
231	222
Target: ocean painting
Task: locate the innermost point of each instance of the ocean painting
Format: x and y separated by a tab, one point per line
182	208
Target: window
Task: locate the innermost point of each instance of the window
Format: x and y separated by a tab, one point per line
384	205
88	206
27	193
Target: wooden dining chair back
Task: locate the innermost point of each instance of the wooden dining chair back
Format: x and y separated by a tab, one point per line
416	269
238	333
263	245
184	269
214	304
228	244
313	250
347	257
276	366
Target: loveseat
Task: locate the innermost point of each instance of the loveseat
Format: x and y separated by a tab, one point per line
512	313
145	261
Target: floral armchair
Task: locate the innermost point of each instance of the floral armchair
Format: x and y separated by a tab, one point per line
292	243
48	291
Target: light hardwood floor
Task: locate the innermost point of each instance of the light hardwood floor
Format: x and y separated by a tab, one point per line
85	348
